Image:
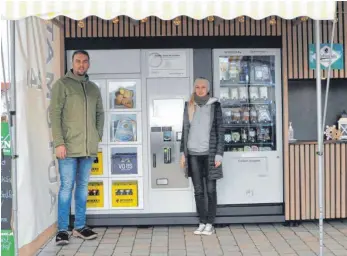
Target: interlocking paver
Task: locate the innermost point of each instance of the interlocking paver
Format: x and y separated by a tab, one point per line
66	253
84	254
121	254
232	254
339	252
233	240
140	252
269	253
195	253
47	253
103	253
177	253
123	250
88	249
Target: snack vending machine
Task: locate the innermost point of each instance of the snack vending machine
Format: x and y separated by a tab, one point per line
248	84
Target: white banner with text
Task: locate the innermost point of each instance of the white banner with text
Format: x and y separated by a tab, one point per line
38	66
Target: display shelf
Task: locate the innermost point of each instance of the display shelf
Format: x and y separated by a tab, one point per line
247	125
227	84
229	104
257	135
247	96
237	144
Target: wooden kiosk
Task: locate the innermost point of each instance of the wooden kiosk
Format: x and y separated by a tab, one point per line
300	165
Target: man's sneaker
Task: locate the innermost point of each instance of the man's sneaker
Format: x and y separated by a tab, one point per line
62	238
199	229
209	230
84	233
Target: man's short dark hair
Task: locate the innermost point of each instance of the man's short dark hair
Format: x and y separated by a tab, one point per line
80	52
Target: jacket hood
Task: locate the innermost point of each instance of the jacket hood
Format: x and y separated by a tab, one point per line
71	75
211	101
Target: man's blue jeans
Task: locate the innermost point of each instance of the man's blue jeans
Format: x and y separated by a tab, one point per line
71	170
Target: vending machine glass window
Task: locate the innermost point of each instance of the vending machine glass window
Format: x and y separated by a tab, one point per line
248	84
247	95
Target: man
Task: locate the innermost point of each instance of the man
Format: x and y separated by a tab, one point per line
77	118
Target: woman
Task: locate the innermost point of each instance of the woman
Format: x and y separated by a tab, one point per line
202	148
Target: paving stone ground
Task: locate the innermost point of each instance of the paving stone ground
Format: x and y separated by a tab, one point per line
233	240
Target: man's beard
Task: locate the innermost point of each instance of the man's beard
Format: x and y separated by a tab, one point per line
80	73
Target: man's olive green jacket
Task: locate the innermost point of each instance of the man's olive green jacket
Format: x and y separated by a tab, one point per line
77	115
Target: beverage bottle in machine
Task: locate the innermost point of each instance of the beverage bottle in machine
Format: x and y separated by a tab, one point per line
291	131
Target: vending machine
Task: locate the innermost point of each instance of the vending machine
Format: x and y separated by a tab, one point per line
136	178
248	84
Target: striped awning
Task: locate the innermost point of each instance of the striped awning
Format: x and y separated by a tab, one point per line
169	9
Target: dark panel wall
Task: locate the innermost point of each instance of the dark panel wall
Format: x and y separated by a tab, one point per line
303	103
202	59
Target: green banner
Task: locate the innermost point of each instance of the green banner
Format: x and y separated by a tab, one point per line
7	243
7	239
5	139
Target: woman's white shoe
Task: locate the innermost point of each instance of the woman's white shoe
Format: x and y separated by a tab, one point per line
200	229
209	230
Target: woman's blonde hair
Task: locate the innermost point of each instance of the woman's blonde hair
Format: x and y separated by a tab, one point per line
191	103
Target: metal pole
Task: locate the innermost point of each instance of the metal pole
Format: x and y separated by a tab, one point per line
328	77
319	135
5	78
13	132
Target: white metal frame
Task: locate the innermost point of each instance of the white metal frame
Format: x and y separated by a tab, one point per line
276	155
101	83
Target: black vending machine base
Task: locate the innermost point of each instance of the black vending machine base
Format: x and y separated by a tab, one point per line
226	214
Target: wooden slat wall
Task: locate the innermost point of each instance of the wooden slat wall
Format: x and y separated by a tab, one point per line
303	183
295	37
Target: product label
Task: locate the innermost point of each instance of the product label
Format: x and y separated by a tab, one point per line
95	195
125	194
